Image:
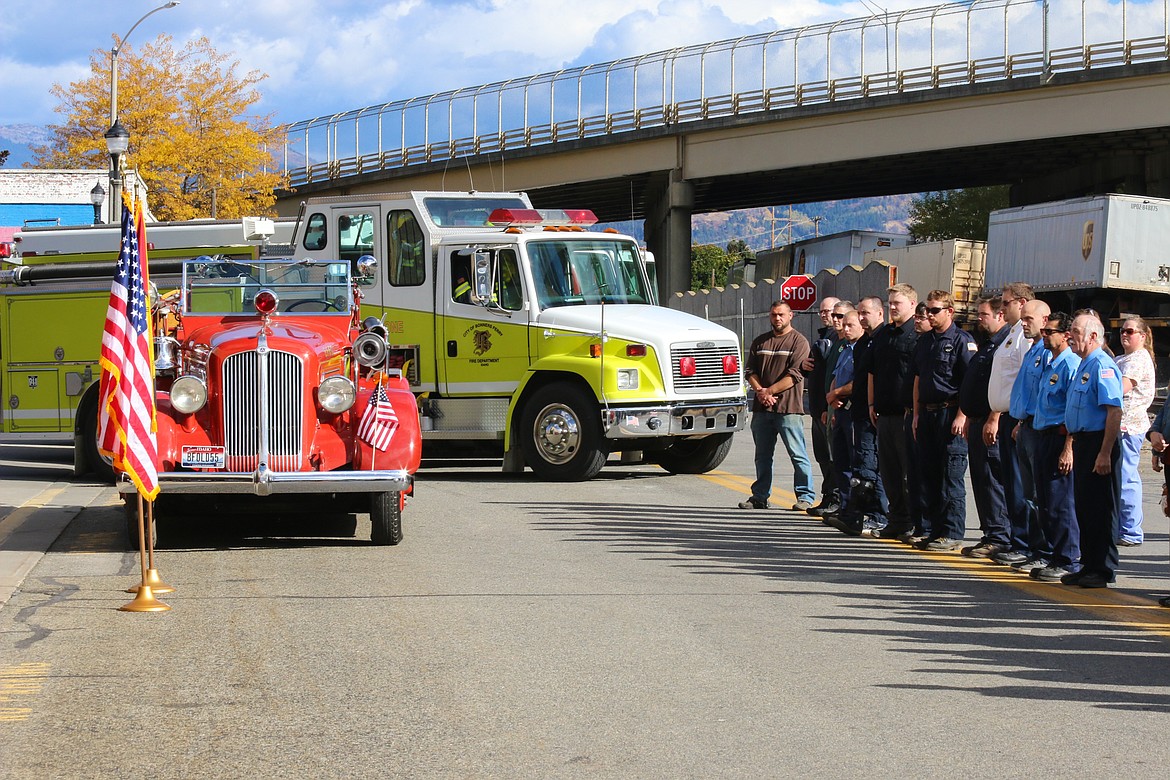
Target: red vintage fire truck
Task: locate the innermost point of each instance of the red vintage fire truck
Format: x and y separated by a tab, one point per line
272	388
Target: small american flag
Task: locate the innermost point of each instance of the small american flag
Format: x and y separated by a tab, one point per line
378	422
126	425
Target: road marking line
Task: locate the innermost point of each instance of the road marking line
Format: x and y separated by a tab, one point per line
20	680
1118	607
28	508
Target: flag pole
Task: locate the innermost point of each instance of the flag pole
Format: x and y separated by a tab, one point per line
145	600
151	576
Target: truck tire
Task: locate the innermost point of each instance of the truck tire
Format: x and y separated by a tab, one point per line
130	507
94	462
386	518
560	434
694	456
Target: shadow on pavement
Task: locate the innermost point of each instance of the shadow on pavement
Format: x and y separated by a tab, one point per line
920	605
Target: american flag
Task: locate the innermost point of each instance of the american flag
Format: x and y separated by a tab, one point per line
126	424
378	422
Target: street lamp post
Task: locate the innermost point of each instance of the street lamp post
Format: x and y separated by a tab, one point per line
117	142
97	196
115	189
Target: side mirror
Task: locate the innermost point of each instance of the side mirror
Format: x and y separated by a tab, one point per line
482	272
367	266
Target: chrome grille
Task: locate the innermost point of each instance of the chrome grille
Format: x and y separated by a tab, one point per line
241	411
709	374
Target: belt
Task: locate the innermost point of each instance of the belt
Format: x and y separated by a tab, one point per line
936	407
1058	430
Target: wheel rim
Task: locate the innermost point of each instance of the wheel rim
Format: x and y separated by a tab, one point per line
557	434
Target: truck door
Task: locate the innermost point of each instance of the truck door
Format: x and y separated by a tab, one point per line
483	333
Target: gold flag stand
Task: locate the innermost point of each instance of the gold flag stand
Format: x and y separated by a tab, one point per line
151	582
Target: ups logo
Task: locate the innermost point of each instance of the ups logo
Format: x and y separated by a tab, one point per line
1087	240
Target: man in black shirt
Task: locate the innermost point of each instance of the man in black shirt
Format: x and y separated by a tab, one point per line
987	467
865	512
892	351
940	361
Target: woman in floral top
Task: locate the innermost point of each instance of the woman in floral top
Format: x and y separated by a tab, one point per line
1137	384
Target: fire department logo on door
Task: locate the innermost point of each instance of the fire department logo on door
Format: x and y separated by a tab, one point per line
481	337
482	341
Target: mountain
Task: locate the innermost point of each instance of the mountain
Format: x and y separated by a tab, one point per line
766	228
17	139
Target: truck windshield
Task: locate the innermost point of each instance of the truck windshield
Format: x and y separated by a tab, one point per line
572	272
230	286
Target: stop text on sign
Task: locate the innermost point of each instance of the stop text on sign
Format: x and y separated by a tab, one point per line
799	292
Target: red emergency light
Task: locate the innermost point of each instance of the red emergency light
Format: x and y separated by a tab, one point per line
5	249
546	217
266	302
515	217
686	366
730	364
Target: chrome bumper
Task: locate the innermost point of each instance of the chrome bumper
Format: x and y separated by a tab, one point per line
674	420
263	482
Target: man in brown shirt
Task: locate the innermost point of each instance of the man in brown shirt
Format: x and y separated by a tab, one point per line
773	372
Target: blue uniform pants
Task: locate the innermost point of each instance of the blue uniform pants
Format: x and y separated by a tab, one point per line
1130	487
1096	501
1021	503
766	426
1037	542
944	463
987	484
1057	507
866	503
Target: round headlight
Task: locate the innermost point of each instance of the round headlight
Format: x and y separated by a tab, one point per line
336	394
188	394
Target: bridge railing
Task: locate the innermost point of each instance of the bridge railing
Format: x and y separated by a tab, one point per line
897	52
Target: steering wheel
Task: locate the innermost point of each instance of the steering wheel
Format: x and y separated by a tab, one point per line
324	304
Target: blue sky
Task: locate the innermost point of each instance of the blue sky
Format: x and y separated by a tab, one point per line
325	56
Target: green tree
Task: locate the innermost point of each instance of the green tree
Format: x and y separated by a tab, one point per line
937	216
709	266
191	138
737	249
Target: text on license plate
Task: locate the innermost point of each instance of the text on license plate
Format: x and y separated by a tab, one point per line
203	457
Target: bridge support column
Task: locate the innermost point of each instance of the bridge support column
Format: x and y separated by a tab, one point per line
668	233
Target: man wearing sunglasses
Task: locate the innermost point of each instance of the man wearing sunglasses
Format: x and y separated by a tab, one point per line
940	362
1031	549
814	369
1054	479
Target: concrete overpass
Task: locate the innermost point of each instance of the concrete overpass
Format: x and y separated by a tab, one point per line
1052	123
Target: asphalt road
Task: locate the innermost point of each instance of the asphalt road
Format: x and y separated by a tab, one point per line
634	626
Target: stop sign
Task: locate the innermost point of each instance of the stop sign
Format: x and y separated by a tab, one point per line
799	292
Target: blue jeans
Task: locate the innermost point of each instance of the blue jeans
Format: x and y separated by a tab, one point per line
1130	487
766	426
944	464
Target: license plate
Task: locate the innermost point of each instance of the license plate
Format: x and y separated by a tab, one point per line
203	457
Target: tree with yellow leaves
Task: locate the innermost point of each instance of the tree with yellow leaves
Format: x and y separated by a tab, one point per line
191	140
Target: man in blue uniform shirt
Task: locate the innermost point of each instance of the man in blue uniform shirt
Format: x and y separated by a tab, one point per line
940	361
1093	418
1053	468
1030	549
